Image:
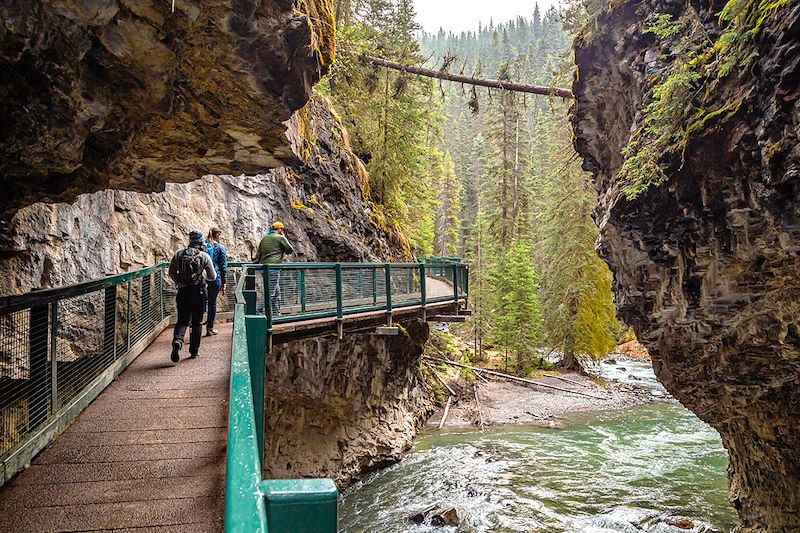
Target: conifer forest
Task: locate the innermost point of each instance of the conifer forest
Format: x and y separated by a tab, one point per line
481	173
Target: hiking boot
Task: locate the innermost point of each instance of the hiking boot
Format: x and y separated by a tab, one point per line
177	344
210	332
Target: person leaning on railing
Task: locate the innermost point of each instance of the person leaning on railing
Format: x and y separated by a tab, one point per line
271	250
190	269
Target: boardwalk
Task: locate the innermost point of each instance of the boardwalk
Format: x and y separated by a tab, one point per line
147	455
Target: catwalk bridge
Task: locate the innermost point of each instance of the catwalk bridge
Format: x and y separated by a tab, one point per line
130	442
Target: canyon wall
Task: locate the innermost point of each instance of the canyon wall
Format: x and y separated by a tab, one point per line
342	408
324	204
706	258
336	408
130	94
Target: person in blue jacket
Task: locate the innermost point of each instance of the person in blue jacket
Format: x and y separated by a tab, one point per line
219	258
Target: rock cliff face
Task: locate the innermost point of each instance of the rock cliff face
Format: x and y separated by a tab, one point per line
323	204
341	408
707	264
338	408
127	94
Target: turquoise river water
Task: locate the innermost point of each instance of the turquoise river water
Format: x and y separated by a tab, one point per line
616	471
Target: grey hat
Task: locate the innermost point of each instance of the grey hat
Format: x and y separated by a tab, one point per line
196	237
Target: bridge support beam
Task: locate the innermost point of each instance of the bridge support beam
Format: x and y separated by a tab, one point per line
448	318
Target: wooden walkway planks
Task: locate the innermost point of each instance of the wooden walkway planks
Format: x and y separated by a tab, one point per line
147	455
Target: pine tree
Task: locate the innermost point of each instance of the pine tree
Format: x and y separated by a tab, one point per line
576	288
448	216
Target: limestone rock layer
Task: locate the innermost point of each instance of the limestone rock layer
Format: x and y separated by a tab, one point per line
343	408
323	204
707	265
127	94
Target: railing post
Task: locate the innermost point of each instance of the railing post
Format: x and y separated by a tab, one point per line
257	346
39	380
54	357
250	280
423	296
388	269
128	320
249	292
374	286
455	289
465	270
302	290
110	325
339	309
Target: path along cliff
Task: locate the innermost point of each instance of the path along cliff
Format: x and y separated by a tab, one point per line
687	115
336	408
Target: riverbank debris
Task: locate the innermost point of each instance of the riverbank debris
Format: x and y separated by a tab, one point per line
513	378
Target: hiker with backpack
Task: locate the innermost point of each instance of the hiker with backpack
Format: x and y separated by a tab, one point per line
219	258
190	269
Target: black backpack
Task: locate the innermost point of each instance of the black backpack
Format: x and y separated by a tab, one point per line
190	267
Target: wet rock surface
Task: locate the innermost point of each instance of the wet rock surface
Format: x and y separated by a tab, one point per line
338	409
129	95
327	215
707	265
343	408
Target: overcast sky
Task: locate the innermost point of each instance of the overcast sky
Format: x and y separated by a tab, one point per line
463	15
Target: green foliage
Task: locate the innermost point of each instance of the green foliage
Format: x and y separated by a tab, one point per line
576	288
663	26
495	180
394	119
530	252
681	98
448	214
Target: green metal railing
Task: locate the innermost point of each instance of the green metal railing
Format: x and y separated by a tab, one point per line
291	292
60	347
270	295
253	504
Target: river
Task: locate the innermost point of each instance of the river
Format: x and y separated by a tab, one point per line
617	471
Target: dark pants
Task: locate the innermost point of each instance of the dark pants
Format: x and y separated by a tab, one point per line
191	304
275	291
213	291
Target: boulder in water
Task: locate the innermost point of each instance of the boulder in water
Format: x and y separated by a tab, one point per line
680	522
436	516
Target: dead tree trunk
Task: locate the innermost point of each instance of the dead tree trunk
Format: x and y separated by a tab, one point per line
469	80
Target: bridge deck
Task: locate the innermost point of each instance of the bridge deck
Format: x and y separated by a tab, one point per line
147	454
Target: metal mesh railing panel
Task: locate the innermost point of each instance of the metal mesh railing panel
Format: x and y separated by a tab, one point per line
24	374
363	287
405	285
51	352
79	344
309	290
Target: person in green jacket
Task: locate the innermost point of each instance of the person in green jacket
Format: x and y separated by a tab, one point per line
271	250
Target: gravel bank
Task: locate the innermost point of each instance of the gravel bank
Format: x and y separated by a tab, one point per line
504	402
